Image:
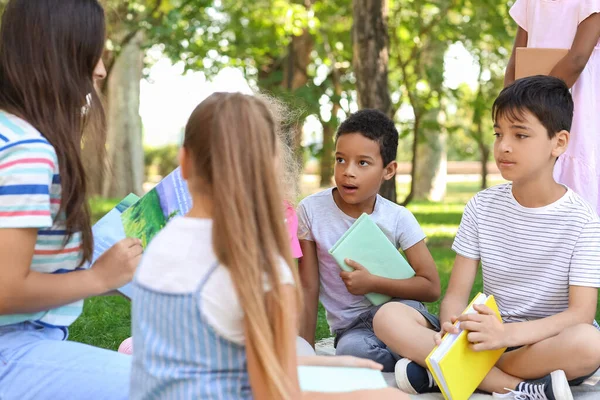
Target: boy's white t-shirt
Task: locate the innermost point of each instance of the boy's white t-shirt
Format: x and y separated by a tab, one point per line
530	256
321	221
177	260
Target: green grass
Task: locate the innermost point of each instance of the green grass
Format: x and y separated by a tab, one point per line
106	320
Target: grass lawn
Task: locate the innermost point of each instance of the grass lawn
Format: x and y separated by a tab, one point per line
106	320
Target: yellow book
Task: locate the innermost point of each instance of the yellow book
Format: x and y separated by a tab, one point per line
456	368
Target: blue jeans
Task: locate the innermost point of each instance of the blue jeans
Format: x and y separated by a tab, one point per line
36	362
359	340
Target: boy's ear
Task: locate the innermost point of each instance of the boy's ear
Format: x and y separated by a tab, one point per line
390	170
561	141
184	163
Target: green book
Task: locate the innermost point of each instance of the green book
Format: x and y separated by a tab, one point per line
366	244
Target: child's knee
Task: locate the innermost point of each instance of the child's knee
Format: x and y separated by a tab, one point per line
363	346
391	316
369	347
584	341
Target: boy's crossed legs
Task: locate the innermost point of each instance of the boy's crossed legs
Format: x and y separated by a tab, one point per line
575	350
360	340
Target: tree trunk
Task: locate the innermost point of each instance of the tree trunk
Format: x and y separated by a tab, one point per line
327	160
124	137
485	155
370	62
329	127
414	161
93	162
431	166
295	71
295	76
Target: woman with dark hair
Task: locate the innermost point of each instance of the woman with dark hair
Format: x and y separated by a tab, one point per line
50	59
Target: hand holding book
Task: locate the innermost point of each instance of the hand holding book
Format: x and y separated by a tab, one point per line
458	367
358	282
372	255
115	267
485	330
447	327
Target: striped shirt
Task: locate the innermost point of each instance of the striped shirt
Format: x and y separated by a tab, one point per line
530	256
30	195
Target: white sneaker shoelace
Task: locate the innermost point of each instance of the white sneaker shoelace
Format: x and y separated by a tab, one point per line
529	392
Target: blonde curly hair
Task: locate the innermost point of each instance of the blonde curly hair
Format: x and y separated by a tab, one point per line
285	120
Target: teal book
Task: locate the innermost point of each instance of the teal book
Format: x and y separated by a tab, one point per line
339	379
365	243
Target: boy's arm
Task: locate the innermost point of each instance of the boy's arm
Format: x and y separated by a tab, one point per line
424	286
581	310
570	67
309	276
458	293
488	333
520	41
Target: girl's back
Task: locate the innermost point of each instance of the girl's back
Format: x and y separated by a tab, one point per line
202	314
187	321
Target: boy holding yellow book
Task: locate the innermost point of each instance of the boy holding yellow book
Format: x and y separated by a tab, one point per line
538	243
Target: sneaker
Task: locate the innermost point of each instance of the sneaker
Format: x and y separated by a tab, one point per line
411	378
553	386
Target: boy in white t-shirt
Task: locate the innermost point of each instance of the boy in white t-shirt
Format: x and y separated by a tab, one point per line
366	145
538	243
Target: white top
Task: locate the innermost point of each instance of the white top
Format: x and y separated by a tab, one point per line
321	221
177	260
540	18
530	256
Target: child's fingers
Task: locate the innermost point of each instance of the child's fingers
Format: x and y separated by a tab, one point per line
353	264
449	327
471	317
481	346
475	337
131	242
483	309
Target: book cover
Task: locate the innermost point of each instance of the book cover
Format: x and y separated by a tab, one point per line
530	61
109	230
365	243
457	369
145	218
339	379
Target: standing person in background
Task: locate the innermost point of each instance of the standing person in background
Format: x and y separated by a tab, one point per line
573	25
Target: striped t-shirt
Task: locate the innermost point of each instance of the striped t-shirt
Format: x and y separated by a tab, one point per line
30	198
530	256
